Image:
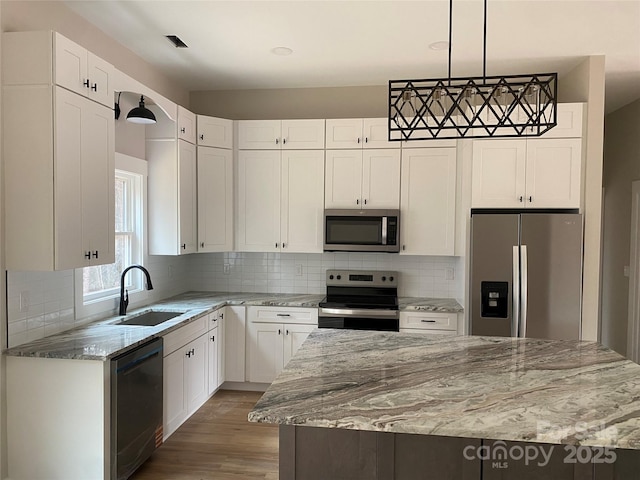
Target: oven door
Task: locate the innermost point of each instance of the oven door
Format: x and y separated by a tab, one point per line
359	319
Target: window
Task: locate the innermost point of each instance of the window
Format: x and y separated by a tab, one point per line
98	288
104	280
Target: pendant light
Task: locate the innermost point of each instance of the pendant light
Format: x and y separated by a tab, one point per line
472	107
141	114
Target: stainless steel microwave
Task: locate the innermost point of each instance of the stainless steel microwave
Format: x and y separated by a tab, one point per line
361	230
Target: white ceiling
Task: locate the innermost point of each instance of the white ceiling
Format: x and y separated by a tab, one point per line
350	42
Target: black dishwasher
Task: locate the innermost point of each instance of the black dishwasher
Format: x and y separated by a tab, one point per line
136	407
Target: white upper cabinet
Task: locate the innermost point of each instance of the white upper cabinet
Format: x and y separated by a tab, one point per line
498	178
428	210
570	121
58	171
358	133
172	197
531	173
553	173
215	199
186	125
214	132
362	179
280	201
280	134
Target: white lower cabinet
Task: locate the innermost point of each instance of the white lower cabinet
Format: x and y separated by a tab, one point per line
274	335
216	351
234	344
429	322
185	373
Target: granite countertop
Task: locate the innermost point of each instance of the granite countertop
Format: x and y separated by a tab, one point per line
558	392
106	339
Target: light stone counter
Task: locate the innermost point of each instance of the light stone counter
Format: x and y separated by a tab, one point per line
553	392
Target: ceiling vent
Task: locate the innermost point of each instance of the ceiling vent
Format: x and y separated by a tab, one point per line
176	41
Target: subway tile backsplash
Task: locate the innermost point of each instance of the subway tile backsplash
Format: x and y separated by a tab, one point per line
420	276
47	298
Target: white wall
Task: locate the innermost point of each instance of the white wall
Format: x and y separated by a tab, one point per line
621	167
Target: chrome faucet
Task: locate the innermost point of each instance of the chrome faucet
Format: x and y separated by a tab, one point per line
124	296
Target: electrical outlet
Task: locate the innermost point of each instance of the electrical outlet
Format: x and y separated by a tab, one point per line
226	269
24	301
299	269
449	274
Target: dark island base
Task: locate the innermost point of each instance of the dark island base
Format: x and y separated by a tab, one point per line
311	453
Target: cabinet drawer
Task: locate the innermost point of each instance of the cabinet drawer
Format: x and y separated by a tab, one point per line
429	321
283	315
180	337
214	317
425	331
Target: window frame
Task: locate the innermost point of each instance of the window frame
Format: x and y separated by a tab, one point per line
107	302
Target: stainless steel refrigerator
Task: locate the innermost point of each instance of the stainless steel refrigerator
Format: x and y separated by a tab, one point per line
526	275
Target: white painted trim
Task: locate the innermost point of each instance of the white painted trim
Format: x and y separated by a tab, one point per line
633	332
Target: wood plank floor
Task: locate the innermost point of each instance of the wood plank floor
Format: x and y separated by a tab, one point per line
217	442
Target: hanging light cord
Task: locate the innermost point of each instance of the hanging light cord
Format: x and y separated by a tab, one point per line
450	23
484	45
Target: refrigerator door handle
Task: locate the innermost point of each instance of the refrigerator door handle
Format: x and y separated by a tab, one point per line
525	275
515	315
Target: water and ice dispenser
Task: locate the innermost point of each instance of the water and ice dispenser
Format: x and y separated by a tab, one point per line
494	299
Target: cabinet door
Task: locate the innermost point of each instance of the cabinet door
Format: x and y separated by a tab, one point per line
70	66
343	179
302	201
259	134
187	196
302	134
215	199
265	351
498	176
376	133
70	247
98	172
221	350
215	132
428	213
234	344
196	373
381	178
553	173
100	75
294	335
212	363
344	133
570	121
175	399
186	125
258	201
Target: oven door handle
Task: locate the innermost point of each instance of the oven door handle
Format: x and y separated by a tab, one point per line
360	312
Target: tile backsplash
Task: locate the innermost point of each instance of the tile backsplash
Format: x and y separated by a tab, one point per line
47	298
420	276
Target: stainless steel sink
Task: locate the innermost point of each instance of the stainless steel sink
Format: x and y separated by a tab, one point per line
150	319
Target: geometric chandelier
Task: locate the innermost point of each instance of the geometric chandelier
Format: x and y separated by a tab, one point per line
472	107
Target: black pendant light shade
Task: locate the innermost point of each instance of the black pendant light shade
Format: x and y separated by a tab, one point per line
141	114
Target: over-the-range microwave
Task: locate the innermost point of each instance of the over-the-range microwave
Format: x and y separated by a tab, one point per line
353	230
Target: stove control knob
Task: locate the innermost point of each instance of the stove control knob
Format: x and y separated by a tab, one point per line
384	279
339	277
391	279
330	277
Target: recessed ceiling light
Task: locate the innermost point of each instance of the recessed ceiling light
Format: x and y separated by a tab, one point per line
283	51
439	46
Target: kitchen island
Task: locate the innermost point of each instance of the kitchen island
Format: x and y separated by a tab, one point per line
354	404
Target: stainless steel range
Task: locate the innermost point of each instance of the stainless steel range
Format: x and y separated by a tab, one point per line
360	300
